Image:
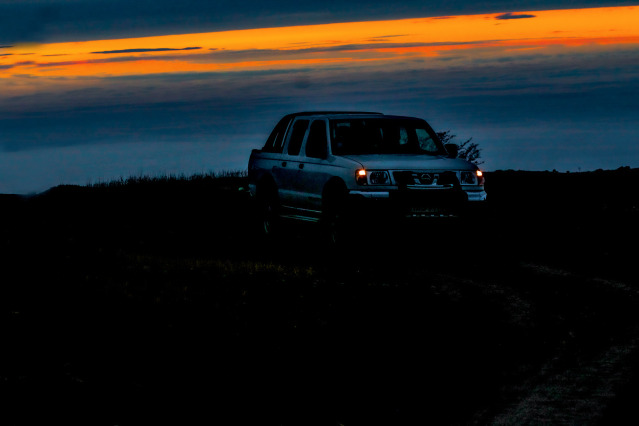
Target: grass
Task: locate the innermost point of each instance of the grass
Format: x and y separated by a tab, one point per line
150	300
146	180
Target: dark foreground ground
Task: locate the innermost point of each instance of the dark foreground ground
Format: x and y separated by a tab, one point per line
153	303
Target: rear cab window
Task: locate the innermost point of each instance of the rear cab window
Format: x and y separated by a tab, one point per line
297	136
275	142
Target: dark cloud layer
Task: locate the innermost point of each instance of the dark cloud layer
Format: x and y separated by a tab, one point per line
102	60
17	64
223	55
61	20
510	15
254	54
161	49
573	92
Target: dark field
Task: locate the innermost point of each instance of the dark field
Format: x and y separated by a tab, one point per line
153	302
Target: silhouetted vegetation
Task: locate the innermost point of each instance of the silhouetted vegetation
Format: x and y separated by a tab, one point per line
151	300
468	150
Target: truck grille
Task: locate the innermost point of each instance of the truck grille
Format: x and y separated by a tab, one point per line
426	179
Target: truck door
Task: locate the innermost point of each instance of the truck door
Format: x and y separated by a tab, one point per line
314	169
285	172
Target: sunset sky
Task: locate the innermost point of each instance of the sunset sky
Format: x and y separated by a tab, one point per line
94	90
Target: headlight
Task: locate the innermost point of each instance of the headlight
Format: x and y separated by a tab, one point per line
480	177
360	177
472	178
379	178
468	178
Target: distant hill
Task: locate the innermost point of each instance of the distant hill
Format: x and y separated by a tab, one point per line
535	190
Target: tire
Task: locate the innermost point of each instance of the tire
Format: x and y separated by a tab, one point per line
334	221
268	217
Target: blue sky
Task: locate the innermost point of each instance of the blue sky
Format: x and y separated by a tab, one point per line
562	107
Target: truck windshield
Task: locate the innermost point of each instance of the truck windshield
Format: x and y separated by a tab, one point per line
383	136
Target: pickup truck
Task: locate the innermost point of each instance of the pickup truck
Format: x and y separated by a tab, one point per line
336	167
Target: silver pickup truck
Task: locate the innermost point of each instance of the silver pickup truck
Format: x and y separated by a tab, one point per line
332	167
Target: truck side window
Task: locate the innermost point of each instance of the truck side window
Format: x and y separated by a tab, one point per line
316	145
297	136
274	143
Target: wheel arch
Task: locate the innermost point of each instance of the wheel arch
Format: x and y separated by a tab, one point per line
265	187
333	193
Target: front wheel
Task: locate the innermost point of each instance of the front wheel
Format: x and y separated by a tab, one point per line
334	221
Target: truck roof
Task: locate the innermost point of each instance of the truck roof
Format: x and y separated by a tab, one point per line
336	114
310	113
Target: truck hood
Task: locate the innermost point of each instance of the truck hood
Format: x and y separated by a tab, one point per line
410	162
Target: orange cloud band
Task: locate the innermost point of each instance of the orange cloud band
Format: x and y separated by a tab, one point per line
345	44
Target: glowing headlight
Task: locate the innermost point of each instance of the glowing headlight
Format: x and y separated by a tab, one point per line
379	178
360	177
480	177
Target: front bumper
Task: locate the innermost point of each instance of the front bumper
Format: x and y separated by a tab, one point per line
411	203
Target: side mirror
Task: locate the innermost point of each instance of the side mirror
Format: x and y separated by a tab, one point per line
452	149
